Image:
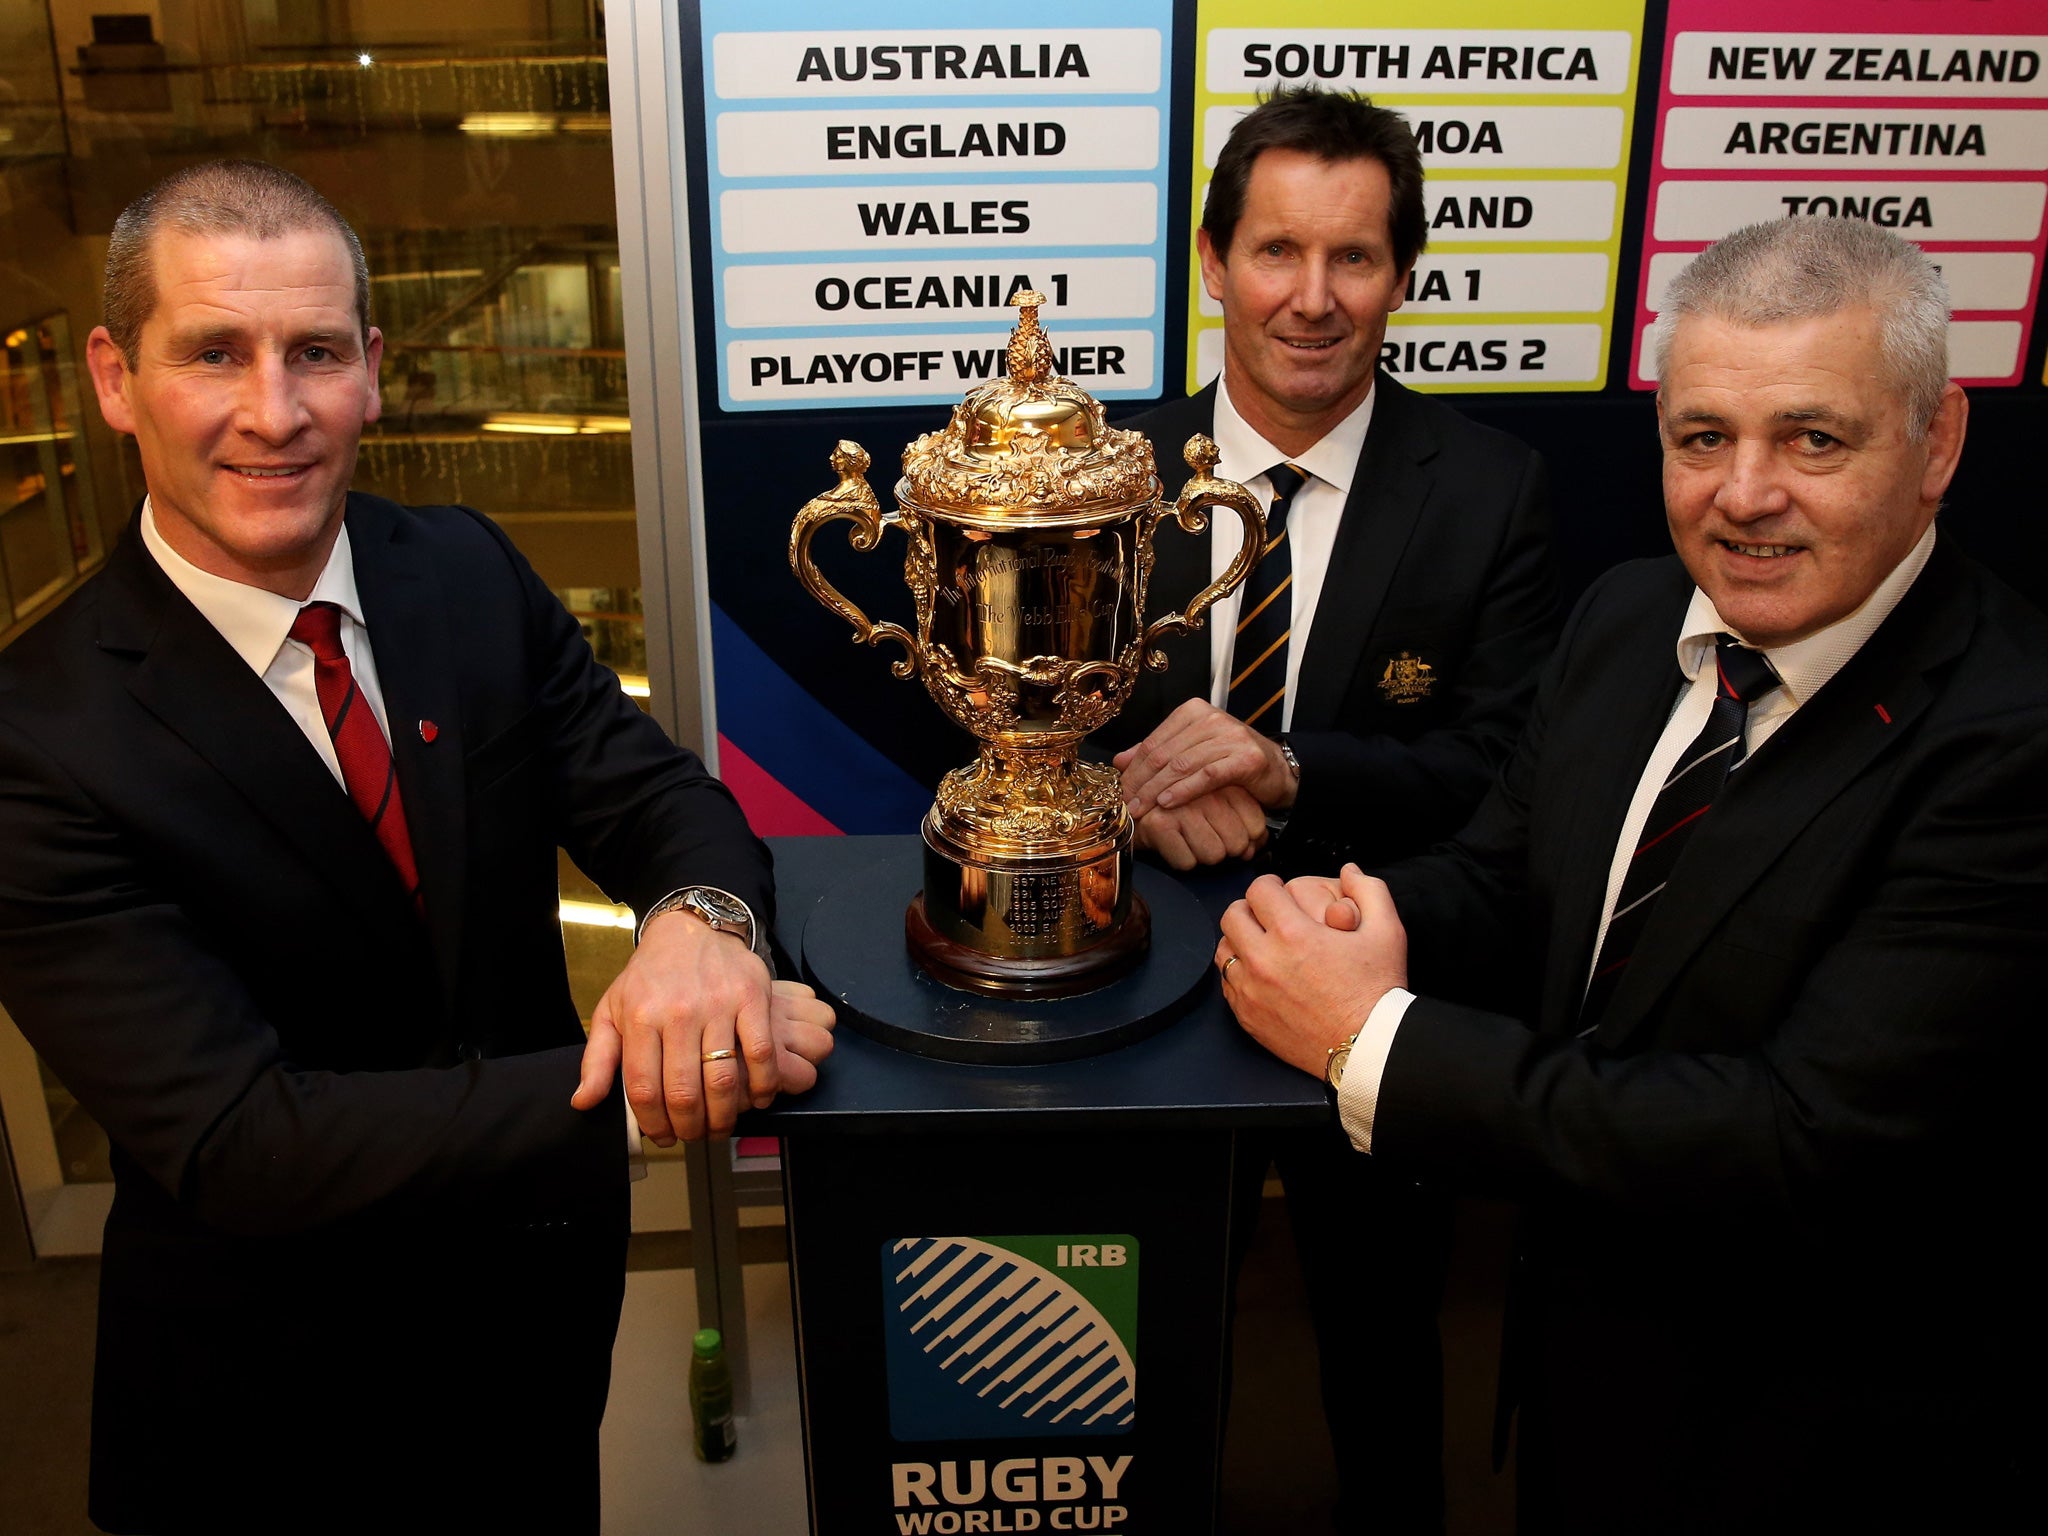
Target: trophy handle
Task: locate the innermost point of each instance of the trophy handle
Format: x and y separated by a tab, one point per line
1191	512
852	500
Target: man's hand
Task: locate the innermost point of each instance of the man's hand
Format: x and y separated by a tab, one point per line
1298	984
1199	749
1322	898
688	992
801	1022
1225	824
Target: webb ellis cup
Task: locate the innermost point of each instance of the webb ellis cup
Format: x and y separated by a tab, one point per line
1030	525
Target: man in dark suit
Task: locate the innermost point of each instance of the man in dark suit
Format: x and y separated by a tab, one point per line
1417	595
1734	978
1355	699
280	909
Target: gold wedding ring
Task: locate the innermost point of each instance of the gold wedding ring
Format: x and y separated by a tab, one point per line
1227	965
725	1055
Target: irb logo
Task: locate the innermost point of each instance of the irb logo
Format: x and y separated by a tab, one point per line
1090	1255
997	1337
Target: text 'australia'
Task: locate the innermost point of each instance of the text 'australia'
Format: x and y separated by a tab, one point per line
944	61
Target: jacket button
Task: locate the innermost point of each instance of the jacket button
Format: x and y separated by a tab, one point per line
467	1052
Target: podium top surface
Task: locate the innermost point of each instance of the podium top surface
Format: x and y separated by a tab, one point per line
1199	1072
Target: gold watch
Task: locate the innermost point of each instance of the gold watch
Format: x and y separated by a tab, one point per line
1339	1058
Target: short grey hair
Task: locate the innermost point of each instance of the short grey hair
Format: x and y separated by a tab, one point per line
220	197
1803	268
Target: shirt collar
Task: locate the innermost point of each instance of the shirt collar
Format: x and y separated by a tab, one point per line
1805	665
255	623
1332	458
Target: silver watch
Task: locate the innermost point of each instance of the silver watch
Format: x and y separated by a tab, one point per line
720	910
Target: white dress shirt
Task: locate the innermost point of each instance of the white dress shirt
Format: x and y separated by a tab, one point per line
1802	667
1312	519
257	624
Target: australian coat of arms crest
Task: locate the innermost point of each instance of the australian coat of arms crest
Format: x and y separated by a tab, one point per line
1408	679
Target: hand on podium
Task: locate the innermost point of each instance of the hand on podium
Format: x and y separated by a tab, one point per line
700	1032
1298	978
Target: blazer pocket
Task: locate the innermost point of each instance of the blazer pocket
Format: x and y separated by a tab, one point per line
505	753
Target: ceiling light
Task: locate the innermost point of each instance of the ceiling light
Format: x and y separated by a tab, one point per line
510	124
542	424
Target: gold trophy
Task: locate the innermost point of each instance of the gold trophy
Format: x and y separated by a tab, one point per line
1030	525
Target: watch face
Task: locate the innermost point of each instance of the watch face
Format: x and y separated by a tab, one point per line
721	908
1338	1063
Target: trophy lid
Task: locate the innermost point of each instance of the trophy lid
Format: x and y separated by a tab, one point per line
1029	447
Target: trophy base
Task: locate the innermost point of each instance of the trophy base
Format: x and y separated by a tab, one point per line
973	970
1048	926
853	952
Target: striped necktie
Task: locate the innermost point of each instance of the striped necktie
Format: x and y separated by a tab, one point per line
1258	656
1742	677
366	767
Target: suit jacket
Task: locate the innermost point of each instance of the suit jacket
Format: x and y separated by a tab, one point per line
1767	1273
361	1248
1442	555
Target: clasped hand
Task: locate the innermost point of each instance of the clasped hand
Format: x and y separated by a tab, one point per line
689	993
1304	963
1200	786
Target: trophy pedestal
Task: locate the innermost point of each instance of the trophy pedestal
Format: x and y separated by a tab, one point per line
897	1150
854	954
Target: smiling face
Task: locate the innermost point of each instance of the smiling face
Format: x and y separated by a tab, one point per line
1306	289
1791	483
250	389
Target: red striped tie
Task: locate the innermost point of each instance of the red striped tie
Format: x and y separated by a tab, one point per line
365	757
1742	676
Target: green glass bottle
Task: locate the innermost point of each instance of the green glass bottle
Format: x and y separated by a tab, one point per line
711	1397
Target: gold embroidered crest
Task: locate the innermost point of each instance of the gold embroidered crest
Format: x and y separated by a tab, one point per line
1408	679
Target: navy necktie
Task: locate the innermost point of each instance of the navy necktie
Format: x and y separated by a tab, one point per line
1742	677
1258	657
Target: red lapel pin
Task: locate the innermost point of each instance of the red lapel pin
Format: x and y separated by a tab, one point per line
1882	714
428	731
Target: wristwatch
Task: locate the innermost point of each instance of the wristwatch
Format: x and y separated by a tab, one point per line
722	911
1333	1067
1287	756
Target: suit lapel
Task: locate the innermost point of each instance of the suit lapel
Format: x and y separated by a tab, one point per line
408	614
1864	711
1180	566
192	681
1606	752
1388	493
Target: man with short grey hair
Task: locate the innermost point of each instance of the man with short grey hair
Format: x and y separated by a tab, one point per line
1733	979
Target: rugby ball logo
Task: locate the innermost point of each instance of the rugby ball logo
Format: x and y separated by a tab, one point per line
989	1342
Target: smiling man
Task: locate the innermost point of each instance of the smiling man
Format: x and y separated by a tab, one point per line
1356	697
1734	980
281	791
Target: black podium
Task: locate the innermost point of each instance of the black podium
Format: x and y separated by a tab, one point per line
1011	1282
